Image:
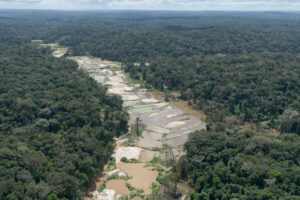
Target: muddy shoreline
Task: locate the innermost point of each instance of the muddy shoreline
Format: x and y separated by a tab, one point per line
165	124
158	130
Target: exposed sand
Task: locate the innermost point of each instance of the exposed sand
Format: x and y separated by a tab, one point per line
149	101
57	50
142	177
128	89
163	122
60	52
153	114
128	152
150	139
116	91
116	171
175	124
157	129
118	185
106	194
172	115
131	98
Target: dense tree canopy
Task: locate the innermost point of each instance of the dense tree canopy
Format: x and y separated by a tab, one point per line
57	125
242	165
242	64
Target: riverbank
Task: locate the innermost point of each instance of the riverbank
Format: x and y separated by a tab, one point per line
156	125
158	130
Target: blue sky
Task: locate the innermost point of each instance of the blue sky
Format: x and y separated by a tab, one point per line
153	4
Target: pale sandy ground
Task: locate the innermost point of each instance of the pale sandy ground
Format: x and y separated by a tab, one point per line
149	101
128	152
60	52
106	194
150	139
116	171
164	122
157	129
175	124
57	50
172	115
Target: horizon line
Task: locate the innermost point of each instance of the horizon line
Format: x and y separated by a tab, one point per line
151	10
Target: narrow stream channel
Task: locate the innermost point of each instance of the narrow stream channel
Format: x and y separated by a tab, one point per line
161	125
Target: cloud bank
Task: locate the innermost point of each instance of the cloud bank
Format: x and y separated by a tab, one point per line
153	4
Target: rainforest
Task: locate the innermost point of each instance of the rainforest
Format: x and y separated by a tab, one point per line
61	116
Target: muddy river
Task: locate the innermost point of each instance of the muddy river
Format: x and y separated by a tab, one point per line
156	125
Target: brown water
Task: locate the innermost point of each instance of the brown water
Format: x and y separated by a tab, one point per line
142	177
119	185
165	123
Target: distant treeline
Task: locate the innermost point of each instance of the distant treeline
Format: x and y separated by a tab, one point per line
57	124
242	64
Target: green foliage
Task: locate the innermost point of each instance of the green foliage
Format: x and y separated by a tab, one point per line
49	146
241	165
130	187
158	168
155	188
111	165
111	177
155	160
53	140
52	197
163	179
102	187
245	65
132	160
124	159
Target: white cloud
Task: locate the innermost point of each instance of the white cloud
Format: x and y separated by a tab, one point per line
155	4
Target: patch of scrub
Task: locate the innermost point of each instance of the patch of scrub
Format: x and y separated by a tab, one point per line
142	176
175	124
128	152
118	185
137	198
